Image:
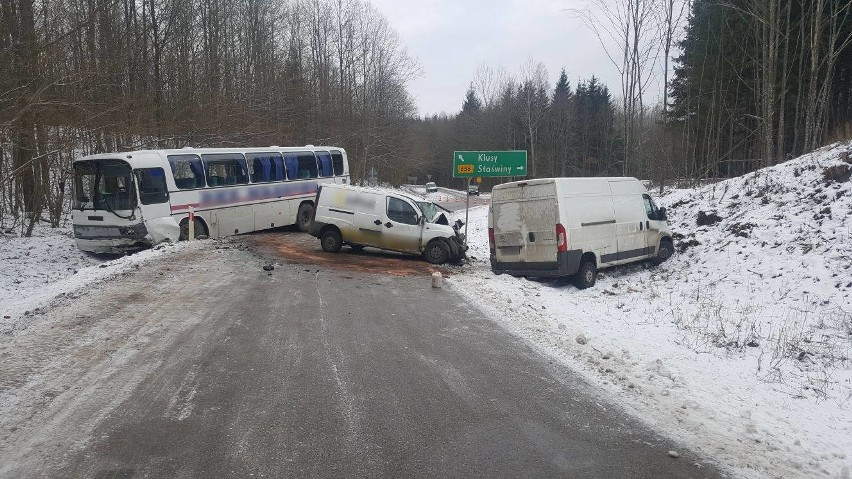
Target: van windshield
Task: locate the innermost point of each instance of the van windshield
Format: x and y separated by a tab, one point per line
430	210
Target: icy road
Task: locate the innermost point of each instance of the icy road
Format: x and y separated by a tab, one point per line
205	365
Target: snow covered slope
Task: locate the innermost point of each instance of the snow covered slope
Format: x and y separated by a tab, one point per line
740	344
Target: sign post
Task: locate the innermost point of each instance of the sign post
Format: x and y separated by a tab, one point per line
466	210
489	164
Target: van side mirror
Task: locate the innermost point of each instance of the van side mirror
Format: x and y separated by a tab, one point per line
422	220
663	216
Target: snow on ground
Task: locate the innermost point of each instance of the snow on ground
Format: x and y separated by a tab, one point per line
447	195
47	266
739	346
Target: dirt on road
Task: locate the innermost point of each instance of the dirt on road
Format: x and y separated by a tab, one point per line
290	246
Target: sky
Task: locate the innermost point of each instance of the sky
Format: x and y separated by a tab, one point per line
452	38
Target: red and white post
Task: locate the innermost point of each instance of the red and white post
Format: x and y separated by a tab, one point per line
191	234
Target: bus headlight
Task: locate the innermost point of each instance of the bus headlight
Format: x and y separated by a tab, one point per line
135	231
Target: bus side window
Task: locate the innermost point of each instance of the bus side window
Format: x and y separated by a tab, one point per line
325	163
278	169
308	165
187	171
301	165
152	186
265	167
260	170
337	162
291	161
225	169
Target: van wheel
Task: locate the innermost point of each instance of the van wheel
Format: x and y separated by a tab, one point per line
331	241
665	251
586	275
436	252
303	217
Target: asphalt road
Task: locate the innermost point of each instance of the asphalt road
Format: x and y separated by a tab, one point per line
208	366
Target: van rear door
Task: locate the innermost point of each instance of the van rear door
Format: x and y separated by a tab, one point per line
524	219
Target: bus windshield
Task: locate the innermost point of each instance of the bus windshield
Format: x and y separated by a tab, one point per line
103	185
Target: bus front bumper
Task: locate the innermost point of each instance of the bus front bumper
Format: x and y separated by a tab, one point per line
111	239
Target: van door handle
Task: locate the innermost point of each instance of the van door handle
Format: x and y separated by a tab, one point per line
388	225
377	222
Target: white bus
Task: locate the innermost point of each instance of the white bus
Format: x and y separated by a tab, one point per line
126	201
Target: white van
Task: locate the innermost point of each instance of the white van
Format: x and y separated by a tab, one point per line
574	226
384	219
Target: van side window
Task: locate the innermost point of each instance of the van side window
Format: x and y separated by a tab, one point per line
401	212
650	208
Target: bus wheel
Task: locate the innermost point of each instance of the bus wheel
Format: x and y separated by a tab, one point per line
303	217
331	241
200	231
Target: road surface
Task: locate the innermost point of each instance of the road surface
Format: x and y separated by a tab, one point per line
206	365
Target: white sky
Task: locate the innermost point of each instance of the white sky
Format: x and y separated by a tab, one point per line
452	38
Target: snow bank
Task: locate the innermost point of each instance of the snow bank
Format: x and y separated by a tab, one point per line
740	344
47	266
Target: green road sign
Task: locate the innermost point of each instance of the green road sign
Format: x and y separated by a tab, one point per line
470	164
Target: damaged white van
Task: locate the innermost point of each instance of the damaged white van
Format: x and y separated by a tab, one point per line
384	219
574	226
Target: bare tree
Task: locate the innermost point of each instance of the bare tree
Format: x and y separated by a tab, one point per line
629	32
825	45
533	96
672	15
490	83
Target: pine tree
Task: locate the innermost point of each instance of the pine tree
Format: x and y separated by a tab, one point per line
471	102
561	121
